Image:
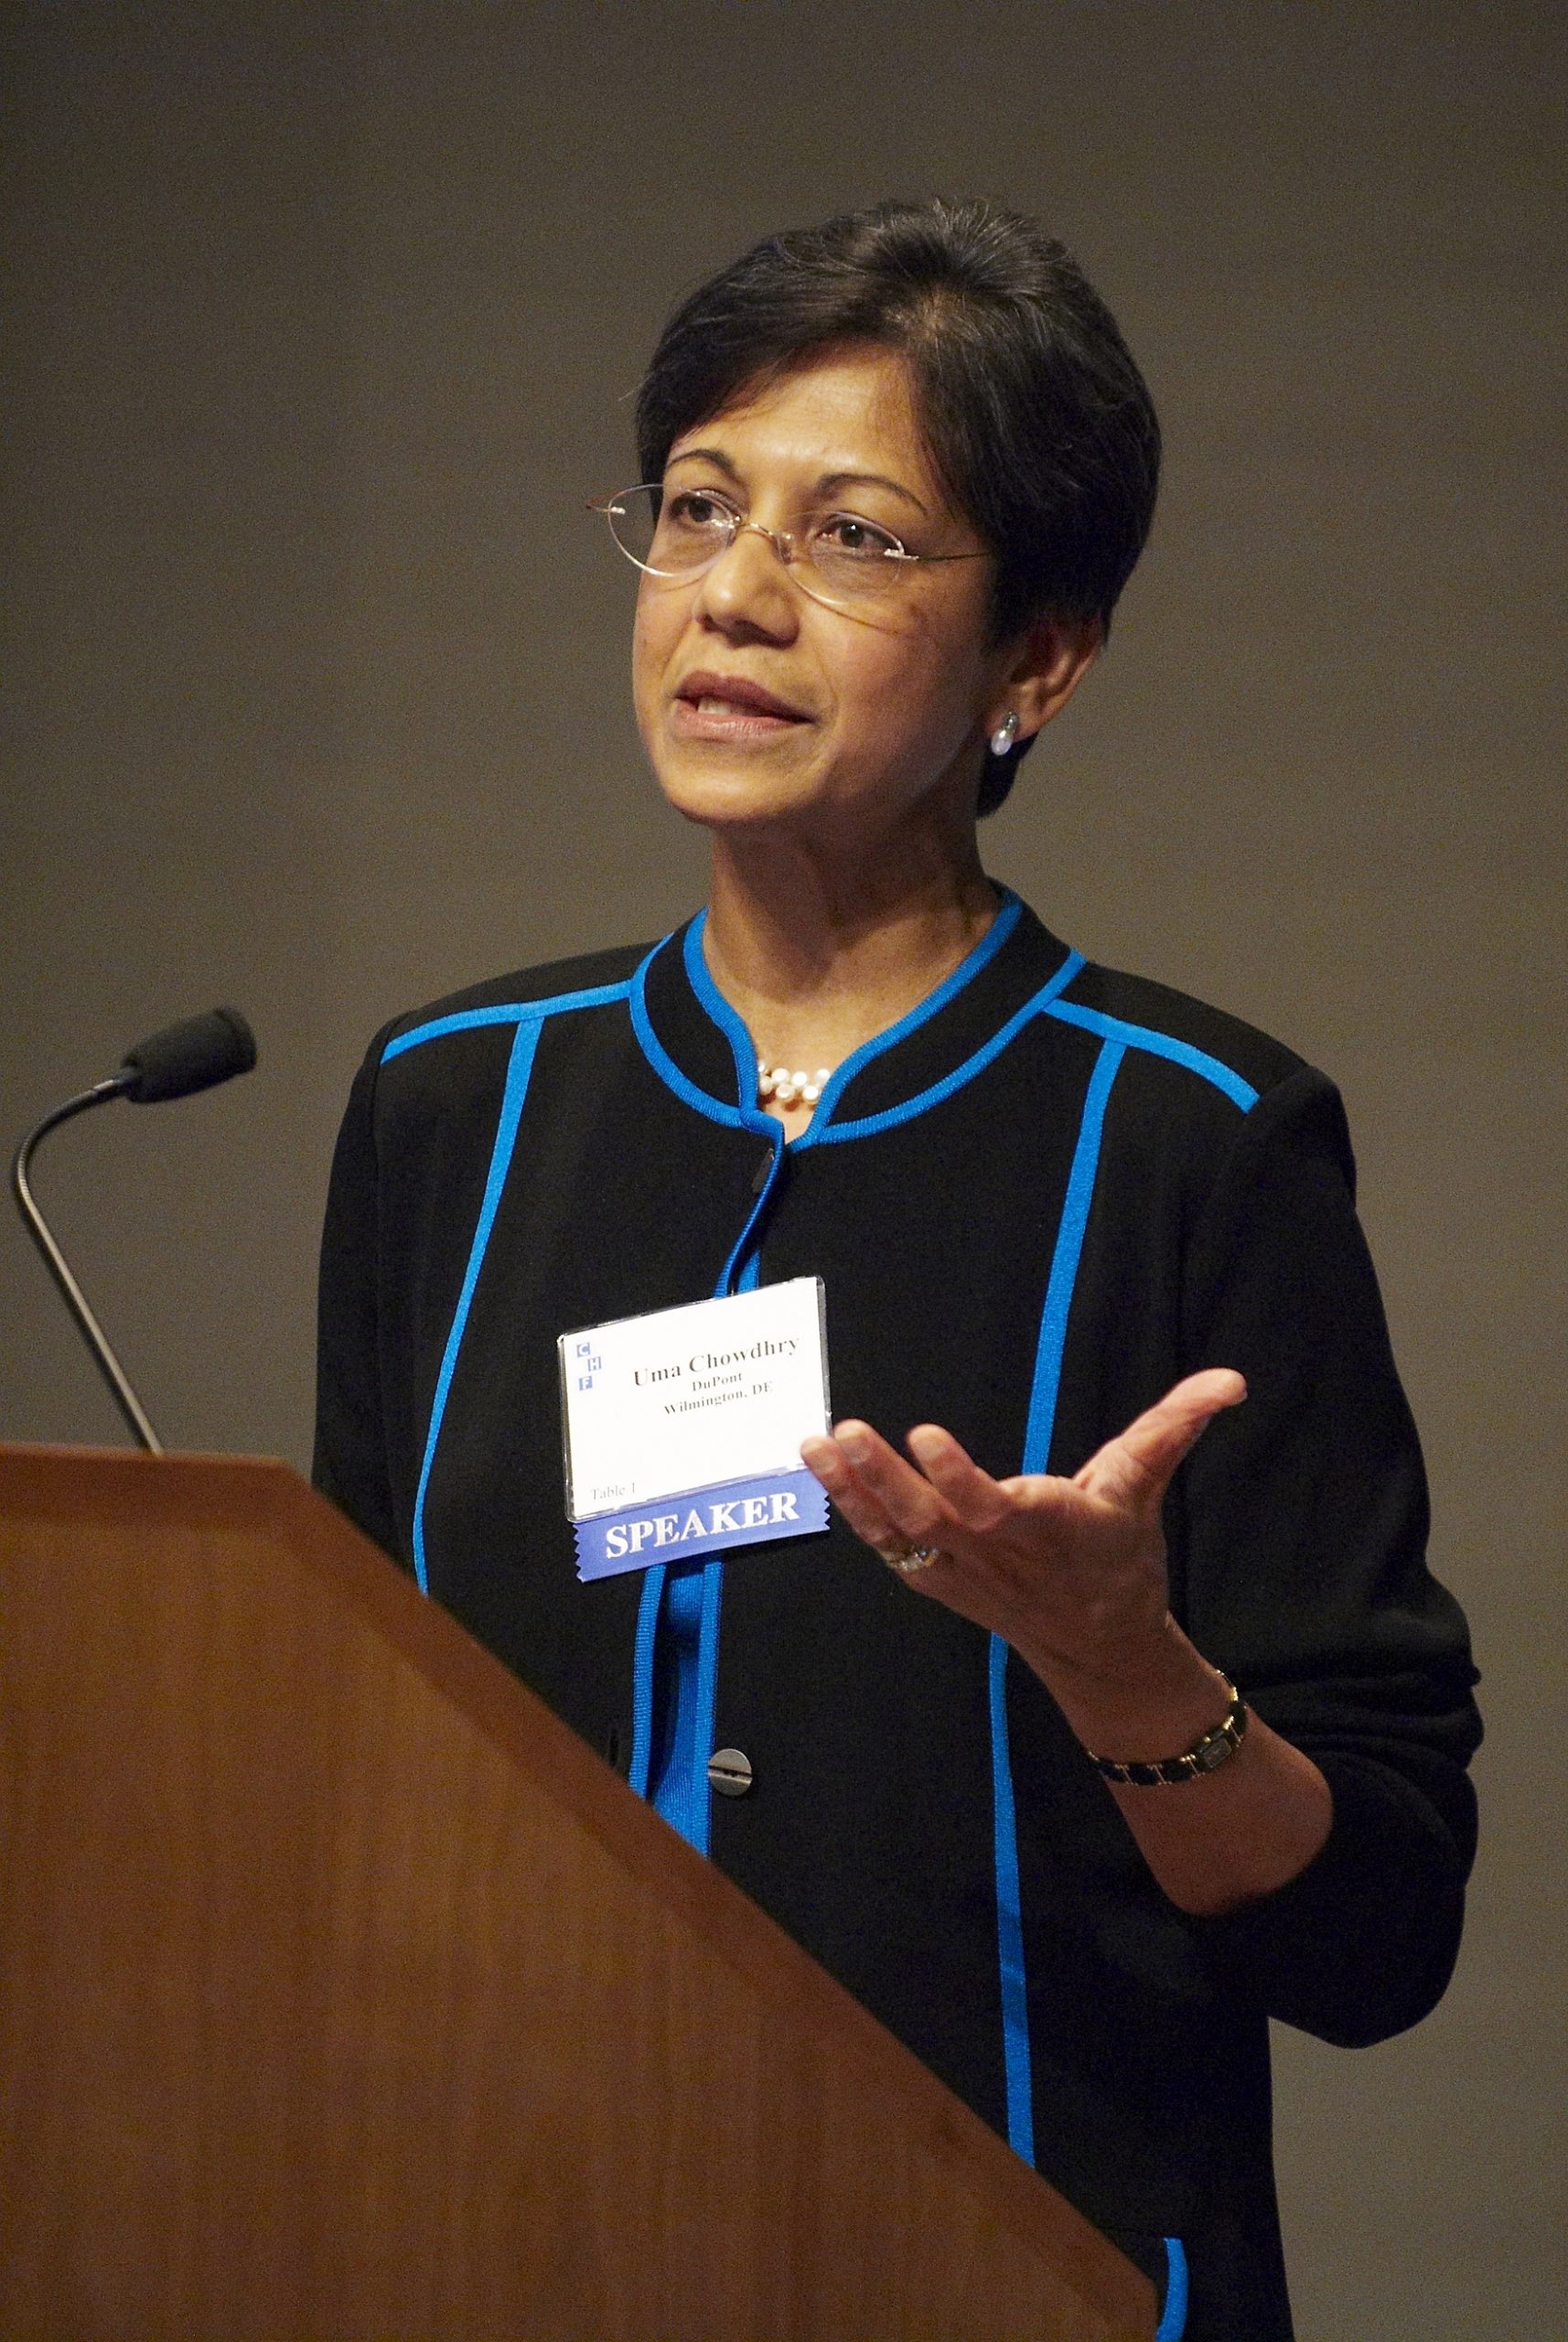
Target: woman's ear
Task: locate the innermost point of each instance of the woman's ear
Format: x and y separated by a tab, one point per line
1053	659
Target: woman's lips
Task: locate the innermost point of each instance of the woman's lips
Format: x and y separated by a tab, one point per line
729	708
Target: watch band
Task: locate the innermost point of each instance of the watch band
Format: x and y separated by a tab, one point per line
1205	1755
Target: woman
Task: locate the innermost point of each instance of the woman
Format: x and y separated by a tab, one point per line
897	471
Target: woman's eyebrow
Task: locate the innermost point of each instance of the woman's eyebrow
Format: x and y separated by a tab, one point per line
831	481
825	486
715	456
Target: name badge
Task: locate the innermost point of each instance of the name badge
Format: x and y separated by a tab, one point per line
683	1428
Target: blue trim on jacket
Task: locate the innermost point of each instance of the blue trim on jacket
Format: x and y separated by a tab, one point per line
528	1016
1064	1258
1160	1044
468	1020
519	1066
1172	2313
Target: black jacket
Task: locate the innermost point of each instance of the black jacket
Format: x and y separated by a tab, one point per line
1034	1204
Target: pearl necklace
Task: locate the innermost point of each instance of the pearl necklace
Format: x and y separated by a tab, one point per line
777	1082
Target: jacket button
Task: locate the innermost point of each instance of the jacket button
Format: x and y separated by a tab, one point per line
729	1771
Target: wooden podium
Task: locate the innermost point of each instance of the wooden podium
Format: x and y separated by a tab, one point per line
344	1992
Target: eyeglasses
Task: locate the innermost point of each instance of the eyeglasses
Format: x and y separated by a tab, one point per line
839	558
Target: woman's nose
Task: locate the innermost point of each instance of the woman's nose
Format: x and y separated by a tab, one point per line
749	585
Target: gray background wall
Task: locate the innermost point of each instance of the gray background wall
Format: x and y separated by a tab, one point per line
324	323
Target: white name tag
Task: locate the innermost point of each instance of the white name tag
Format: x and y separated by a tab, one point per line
683	1428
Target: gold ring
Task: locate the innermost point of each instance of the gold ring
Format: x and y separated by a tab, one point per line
909	1560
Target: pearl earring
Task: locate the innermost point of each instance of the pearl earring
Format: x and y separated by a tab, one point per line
1007	732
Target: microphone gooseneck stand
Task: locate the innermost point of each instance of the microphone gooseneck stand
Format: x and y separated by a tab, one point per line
195	1054
59	1268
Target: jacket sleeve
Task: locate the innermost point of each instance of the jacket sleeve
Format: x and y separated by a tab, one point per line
1299	1550
350	1460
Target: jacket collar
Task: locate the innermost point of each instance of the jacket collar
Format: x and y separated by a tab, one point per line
699	1047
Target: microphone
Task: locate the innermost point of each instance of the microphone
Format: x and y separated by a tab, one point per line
193	1055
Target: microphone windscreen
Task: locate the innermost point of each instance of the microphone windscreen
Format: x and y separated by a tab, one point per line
189	1056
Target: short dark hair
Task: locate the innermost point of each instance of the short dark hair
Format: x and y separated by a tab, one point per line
1035	416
